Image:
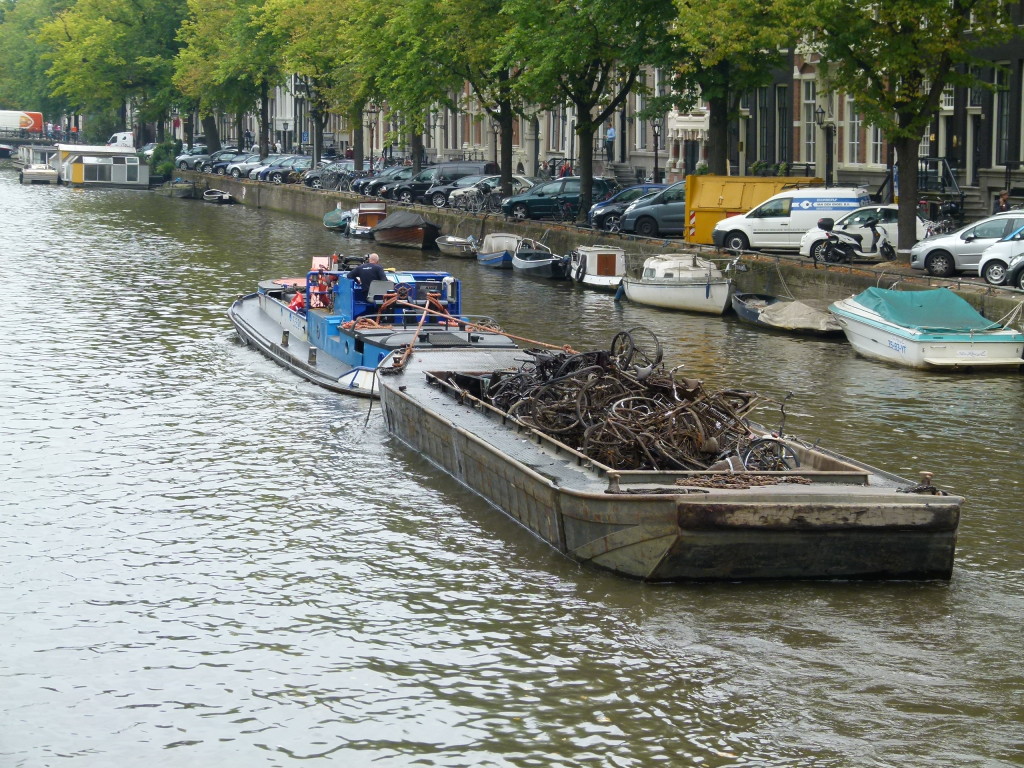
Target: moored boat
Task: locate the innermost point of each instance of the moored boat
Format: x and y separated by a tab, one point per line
217	196
804	317
338	218
334	333
932	329
365	217
534	259
705	494
39	173
185	190
407	229
452	245
680	281
496	250
6	150
598	266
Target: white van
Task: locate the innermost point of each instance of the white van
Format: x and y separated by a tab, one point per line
780	221
122	139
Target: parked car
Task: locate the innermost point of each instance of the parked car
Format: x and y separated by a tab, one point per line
285	162
288	172
147	149
960	251
1015	272
374	183
221	155
543	199
493	181
326	176
240	169
437	194
997	259
853	223
412	190
187	160
605	214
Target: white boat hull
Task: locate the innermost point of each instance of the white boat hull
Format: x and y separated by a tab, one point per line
709	297
873	336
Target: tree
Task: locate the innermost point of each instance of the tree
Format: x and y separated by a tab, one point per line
24	83
726	50
895	58
587	53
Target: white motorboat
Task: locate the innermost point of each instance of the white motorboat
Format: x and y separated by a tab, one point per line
453	245
933	329
598	266
682	281
534	259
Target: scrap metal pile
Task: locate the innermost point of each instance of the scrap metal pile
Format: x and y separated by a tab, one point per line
622	408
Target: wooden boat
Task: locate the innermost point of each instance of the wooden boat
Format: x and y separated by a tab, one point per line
462	247
328	342
598	266
533	259
217	196
805	317
680	281
496	250
823	516
933	329
365	217
407	229
186	190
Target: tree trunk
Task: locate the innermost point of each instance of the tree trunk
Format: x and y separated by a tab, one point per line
210	130
906	159
718	136
585	132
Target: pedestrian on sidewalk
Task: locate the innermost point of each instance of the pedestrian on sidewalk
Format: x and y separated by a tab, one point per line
609	141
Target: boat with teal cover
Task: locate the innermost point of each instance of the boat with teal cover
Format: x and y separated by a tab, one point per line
932	329
332	332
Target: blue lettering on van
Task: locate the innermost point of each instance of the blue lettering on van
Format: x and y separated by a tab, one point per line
827	203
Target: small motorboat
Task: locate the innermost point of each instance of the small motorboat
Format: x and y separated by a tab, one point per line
932	329
598	266
339	217
462	247
333	332
533	259
39	173
6	150
496	250
806	317
217	196
682	281
365	217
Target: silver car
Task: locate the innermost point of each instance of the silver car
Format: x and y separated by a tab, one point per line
240	169
960	251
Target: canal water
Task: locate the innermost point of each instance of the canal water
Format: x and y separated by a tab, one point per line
205	561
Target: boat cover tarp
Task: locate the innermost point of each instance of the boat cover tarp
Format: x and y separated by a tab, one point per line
798	315
936	309
405	219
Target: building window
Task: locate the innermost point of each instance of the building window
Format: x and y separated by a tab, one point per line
852	132
97	168
924	147
782	127
810	126
877	146
763	115
1002	117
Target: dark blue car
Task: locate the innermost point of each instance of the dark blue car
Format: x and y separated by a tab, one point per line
605	214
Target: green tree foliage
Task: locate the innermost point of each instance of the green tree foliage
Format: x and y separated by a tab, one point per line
228	61
726	50
24	83
589	54
895	58
107	52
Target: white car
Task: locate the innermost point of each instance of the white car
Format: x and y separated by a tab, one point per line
853	223
996	259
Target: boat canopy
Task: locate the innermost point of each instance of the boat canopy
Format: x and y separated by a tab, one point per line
935	309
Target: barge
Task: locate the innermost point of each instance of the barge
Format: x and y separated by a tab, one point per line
816	515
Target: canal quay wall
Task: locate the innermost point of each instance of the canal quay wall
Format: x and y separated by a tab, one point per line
776	274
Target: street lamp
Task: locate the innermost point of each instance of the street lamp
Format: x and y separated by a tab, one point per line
657	123
829	127
370	112
496	128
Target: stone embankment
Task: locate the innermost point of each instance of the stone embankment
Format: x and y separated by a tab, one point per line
777	274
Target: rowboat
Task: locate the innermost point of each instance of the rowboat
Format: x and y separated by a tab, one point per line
217	196
534	259
496	250
680	281
462	247
932	329
805	317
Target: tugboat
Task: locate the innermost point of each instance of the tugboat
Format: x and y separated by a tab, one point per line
333	332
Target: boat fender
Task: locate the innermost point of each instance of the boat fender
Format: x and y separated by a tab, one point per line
581	270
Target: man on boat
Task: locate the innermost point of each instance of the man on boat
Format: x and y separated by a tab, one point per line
367	272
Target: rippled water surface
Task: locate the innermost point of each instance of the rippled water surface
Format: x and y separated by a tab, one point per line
207	562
